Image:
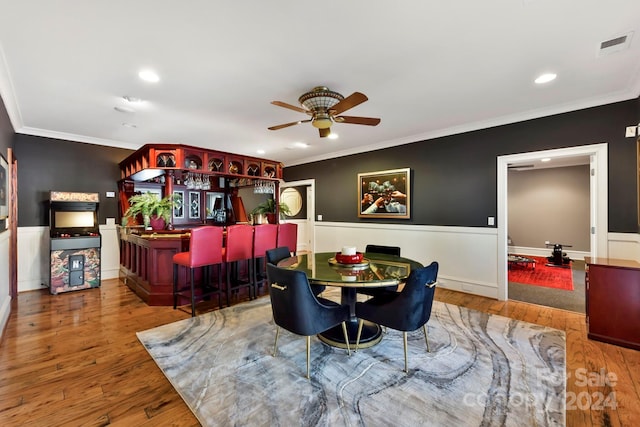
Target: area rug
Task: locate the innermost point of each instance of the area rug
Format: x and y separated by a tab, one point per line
542	275
482	370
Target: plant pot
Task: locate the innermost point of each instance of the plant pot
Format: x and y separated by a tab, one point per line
157	223
271	218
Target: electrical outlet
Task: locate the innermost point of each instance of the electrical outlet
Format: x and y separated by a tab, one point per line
546	242
319	217
491	221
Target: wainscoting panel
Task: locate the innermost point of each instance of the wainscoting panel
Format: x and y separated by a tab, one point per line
5	299
624	246
33	256
467	255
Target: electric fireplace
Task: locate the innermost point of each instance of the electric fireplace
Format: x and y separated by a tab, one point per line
75	241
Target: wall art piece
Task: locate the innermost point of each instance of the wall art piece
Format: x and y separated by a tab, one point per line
384	194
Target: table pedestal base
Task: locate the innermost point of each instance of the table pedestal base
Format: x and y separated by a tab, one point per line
370	336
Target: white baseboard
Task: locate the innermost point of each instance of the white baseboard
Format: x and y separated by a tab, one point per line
5	311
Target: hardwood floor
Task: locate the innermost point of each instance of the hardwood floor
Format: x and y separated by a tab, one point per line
74	359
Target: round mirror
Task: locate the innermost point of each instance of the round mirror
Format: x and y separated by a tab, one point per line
293	200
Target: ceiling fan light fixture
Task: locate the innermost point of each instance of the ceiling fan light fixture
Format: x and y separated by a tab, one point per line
322	121
320	98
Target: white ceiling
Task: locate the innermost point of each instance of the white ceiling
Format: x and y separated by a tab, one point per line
429	68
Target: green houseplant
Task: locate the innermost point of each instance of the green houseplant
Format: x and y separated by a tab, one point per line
268	208
155	211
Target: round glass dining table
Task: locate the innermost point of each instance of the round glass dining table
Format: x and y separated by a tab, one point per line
376	270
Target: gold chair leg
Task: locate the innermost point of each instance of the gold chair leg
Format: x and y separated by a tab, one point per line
275	345
346	337
360	323
308	355
404	340
426	338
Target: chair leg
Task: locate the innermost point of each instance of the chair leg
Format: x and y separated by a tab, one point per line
175	286
193	295
426	338
308	355
360	323
346	337
404	341
275	345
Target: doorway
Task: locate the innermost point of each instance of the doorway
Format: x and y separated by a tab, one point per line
598	200
306	226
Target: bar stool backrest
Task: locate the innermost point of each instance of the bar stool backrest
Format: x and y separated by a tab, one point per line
239	242
288	236
205	246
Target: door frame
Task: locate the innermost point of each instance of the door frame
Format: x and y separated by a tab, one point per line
598	201
311	207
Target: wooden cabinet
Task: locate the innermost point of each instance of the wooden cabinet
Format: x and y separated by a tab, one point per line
613	301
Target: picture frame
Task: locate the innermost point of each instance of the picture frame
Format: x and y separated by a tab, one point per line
4	188
385	194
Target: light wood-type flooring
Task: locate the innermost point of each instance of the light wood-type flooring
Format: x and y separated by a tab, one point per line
74	359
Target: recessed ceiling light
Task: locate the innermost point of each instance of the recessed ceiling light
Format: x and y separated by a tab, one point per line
333	136
149	76
546	159
129	125
545	78
123	109
261	151
300	145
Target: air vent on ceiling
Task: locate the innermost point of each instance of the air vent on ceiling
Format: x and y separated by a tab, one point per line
615	44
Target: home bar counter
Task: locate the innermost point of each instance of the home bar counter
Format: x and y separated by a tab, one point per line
146	256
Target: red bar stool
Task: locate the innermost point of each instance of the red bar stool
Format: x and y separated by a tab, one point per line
288	236
205	250
264	238
239	247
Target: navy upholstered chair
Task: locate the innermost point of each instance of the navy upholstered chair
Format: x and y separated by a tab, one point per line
379	249
274	256
406	310
297	310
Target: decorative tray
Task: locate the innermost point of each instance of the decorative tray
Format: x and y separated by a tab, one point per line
362	264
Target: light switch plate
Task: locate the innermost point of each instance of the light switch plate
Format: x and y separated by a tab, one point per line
631	131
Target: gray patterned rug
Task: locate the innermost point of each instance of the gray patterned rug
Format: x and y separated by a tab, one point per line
482	370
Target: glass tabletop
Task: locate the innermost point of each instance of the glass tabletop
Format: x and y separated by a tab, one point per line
375	270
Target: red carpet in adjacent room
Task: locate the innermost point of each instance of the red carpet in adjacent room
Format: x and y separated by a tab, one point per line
550	277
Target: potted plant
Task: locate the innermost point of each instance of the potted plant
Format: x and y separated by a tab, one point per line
268	208
155	211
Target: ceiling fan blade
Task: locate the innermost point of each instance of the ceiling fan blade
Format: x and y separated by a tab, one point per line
356	98
324	132
290	107
286	125
369	121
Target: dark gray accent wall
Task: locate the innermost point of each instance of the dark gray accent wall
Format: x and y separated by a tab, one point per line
454	178
6	130
47	164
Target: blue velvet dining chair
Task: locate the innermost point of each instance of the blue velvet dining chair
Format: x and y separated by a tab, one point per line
404	311
275	255
380	249
297	310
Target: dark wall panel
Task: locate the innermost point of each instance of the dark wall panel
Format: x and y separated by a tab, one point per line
454	178
6	130
47	164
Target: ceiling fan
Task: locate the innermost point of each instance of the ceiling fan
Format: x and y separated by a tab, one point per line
324	107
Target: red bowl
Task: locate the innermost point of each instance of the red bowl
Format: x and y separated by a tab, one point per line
349	259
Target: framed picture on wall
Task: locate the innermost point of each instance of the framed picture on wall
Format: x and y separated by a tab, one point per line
385	194
4	188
